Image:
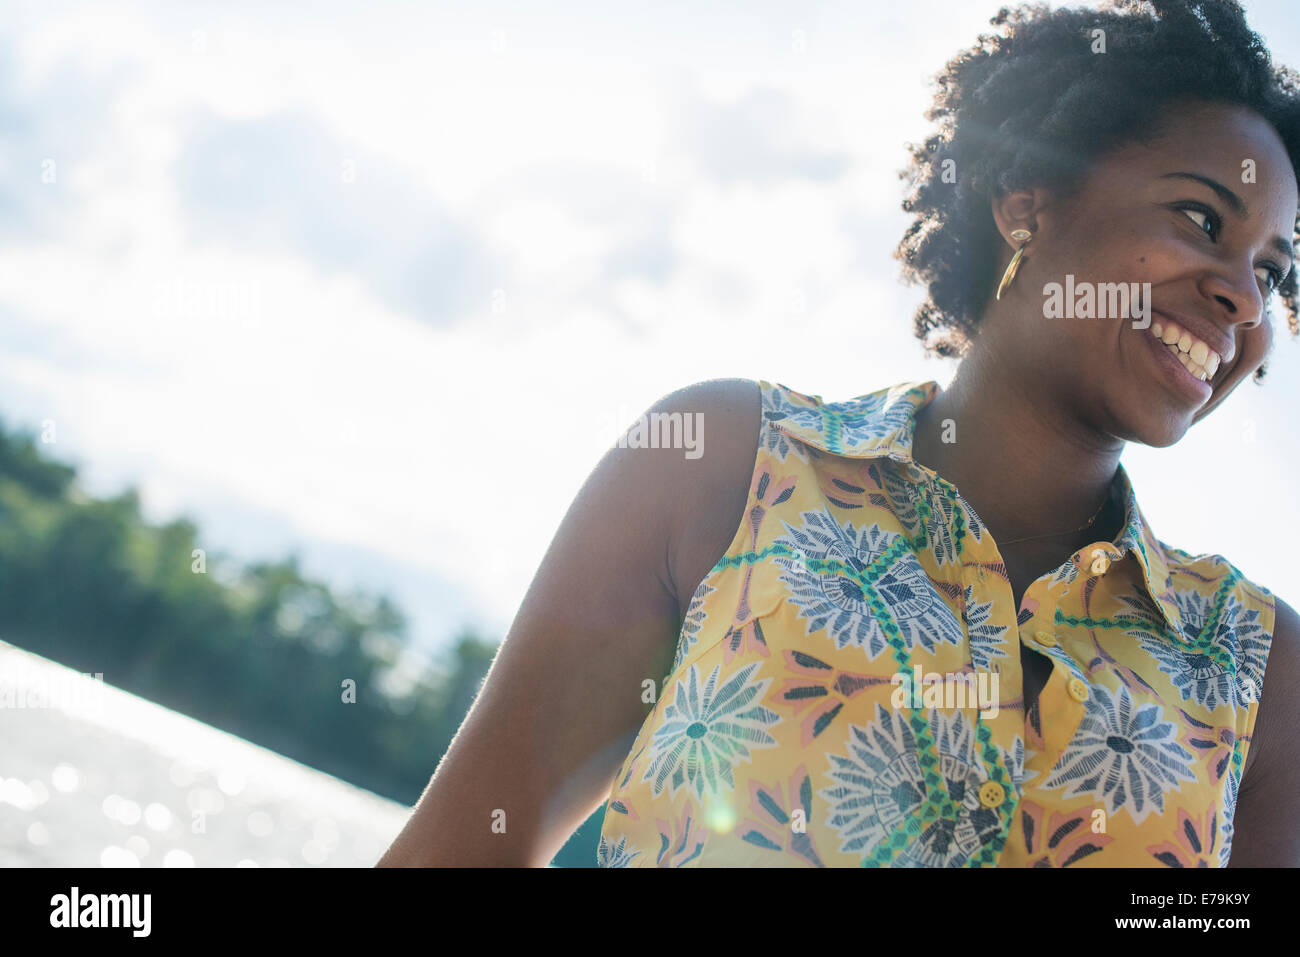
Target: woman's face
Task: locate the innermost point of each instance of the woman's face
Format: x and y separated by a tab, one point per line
1152	214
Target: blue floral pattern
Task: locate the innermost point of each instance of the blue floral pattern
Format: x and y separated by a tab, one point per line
707	730
879	789
853	583
1123	755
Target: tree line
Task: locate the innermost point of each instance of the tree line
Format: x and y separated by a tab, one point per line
258	650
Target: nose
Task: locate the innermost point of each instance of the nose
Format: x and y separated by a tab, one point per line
1236	289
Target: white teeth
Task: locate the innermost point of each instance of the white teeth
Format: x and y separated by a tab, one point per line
1196	356
1190	364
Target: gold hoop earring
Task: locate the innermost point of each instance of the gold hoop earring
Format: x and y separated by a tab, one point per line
1021	236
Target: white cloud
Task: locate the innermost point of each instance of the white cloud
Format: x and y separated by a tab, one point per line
276	358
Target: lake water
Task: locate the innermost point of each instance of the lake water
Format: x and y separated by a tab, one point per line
91	776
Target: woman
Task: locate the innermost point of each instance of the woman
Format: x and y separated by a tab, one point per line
757	656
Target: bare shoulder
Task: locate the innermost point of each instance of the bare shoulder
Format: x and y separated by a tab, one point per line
711	488
722	398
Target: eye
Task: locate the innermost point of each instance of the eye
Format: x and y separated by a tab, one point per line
1209	223
1272	277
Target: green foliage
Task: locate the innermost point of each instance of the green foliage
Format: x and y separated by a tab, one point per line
258	651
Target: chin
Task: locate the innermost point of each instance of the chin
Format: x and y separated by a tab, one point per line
1160	432
1152	426
1162	439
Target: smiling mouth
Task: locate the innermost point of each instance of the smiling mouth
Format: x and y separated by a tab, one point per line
1197	357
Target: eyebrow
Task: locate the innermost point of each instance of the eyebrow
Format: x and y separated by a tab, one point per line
1236	204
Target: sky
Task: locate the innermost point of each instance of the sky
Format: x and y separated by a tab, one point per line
378	285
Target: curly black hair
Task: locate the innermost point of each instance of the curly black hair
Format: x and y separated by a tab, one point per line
1034	105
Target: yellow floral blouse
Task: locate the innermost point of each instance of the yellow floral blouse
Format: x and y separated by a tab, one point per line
847	684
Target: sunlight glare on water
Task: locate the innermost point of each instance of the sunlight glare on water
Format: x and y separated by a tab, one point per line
131	784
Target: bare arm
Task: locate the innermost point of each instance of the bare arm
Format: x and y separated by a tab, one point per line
563	700
1266	831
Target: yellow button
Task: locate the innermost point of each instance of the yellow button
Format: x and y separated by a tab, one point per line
1078	690
991	794
1045	638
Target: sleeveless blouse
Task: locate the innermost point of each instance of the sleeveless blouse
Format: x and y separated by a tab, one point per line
847	684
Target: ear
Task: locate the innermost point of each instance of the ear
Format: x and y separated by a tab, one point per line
1021	209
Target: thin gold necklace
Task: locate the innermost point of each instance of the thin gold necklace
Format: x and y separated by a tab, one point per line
1087	524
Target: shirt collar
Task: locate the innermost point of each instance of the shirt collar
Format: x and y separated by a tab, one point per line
881	425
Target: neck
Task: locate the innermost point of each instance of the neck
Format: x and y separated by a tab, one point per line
1026	465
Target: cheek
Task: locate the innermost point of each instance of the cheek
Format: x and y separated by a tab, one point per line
1141	249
